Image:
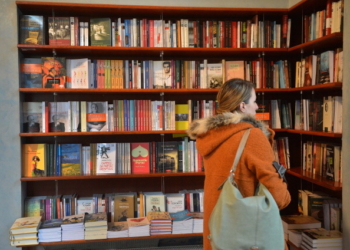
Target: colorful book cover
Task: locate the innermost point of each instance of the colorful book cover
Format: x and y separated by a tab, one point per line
34	206
181	116
167	156
154	201
53	72
33	160
96	117
96	219
163	75
124	207
181	215
78	73
136	222
71	159
26	224
59	117
32	117
100	32
30	71
59	31
31	29
140	157
106	155
214	74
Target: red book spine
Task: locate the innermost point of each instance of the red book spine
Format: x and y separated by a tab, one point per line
284	30
151	33
234	34
328	17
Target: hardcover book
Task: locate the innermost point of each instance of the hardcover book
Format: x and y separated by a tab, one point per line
299	222
214	74
53	223
167	156
30	70
124	207
60	117
96	219
71	159
59	31
53	72
32	117
96	117
106	155
100	32
31	29
163	75
33	160
26	225
234	69
140	157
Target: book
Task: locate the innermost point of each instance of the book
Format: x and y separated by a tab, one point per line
167	157
59	117
138	227
25	236
72	220
77	73
214	75
27	242
124	207
31	29
85	205
32	117
317	237
96	117
175	202
33	160
163	75
59	30
53	72
49	224
71	159
299	222
30	73
154	201
118	229
26	225
100	32
234	69
155	216
326	67
181	116
140	157
95	219
106	155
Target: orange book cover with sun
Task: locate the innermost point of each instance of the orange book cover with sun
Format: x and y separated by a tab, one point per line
140	158
33	160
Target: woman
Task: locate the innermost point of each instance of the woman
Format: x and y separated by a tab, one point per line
217	141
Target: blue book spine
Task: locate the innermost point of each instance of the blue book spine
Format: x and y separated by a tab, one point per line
147	74
127	33
126	115
58	160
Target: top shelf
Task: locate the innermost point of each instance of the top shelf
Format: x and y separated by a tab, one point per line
105	10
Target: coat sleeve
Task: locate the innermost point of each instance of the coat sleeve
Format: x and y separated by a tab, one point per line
258	159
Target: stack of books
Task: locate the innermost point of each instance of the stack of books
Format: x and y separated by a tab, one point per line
73	227
294	225
50	231
182	222
138	227
197	222
24	231
118	229
320	238
160	222
96	226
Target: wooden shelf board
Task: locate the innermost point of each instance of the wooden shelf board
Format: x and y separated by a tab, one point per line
315	133
111	176
316	179
120	239
156	132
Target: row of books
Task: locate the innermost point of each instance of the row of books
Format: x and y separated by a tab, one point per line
305	232
110	158
322	68
134	32
324	22
32	230
323	159
118	206
322	207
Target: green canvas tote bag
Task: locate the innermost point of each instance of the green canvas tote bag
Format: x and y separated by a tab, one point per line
245	223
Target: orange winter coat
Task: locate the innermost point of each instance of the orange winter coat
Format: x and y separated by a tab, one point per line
217	139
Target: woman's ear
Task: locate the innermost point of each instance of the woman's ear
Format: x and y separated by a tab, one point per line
242	107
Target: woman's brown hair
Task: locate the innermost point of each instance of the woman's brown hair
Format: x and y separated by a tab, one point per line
232	93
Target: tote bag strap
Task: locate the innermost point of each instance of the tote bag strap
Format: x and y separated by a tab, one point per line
240	150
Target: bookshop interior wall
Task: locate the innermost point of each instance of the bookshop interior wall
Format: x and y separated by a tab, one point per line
15	104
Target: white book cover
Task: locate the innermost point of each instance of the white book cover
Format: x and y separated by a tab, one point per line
154	201
163	74
106	154
59	117
78	72
175	202
328	114
85	205
32	117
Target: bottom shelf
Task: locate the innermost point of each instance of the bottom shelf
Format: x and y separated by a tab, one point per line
133	242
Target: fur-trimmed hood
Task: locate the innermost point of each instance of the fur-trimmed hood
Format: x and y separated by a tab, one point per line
201	126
